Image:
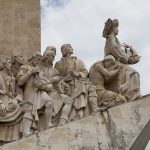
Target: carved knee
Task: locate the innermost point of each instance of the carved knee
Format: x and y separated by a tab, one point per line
48	105
92	91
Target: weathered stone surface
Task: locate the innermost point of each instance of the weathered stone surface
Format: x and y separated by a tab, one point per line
19	26
125	122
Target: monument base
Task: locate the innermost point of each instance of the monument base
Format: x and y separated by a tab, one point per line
115	129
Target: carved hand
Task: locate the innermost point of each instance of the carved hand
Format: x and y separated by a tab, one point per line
136	59
124	87
10	94
11	105
131	60
35	70
75	74
119	67
47	87
68	78
56	79
2	109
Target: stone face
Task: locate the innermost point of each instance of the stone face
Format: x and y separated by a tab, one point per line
19	26
125	122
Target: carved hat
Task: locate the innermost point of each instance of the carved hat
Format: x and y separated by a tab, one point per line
109	24
109	57
49	49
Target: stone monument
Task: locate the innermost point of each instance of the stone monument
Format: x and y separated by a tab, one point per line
19	27
79	109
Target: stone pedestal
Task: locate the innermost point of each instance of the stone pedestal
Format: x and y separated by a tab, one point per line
116	129
19	26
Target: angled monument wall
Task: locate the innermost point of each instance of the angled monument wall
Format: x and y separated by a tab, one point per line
116	131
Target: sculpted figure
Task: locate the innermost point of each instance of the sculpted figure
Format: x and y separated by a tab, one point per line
36	99
17	62
7	88
47	64
62	103
99	74
113	46
79	88
10	110
129	83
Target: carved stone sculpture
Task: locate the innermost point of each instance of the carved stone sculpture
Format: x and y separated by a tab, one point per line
62	103
99	74
113	46
17	62
36	86
128	84
10	110
75	75
35	96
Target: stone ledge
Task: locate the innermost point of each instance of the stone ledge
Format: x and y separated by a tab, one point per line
115	129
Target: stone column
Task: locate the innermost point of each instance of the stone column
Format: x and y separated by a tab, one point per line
20	27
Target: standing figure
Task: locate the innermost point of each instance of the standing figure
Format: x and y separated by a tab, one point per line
62	103
129	82
99	74
36	99
79	88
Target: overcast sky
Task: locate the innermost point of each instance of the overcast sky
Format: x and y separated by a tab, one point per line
81	22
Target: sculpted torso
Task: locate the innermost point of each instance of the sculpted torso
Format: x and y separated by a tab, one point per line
113	47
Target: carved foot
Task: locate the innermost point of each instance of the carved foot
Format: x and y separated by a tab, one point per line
27	134
50	125
62	122
98	110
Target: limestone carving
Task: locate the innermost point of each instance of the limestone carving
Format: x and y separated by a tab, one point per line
113	46
35	96
99	74
16	60
36	86
79	88
62	103
10	110
128	84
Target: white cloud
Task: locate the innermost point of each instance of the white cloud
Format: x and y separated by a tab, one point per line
80	22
